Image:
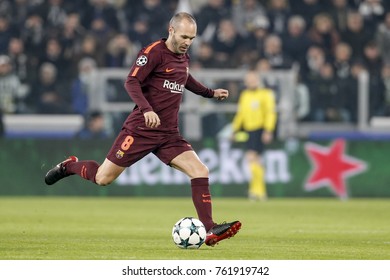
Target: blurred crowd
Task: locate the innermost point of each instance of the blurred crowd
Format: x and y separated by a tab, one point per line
50	49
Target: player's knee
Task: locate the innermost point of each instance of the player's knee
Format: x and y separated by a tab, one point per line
103	180
200	172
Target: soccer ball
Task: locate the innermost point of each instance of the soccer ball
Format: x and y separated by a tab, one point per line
188	233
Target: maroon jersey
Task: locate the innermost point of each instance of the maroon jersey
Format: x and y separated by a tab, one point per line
156	82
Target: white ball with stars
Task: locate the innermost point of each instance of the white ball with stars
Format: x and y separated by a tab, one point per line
188	233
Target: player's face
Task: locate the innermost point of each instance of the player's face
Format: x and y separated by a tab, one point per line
252	80
182	36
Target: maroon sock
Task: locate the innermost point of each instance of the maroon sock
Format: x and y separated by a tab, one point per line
86	169
202	201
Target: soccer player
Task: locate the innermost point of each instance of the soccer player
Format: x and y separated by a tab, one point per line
156	84
255	116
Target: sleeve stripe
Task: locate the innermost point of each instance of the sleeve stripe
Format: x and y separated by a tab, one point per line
134	73
148	49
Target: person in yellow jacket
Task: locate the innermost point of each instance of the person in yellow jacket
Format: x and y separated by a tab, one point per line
256	118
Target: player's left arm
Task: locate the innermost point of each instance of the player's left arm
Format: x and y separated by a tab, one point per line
199	89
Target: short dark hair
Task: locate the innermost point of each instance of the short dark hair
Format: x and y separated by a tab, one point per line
178	17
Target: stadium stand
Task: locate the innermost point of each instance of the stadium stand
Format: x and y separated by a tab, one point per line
46	47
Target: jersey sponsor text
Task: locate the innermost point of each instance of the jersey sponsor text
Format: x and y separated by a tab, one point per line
173	86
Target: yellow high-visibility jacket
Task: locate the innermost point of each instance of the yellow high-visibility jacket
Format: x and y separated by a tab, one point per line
256	110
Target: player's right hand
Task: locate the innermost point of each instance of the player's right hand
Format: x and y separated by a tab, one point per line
151	119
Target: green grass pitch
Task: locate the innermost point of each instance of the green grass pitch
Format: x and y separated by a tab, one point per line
68	228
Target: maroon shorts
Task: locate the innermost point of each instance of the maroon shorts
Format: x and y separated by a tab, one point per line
130	146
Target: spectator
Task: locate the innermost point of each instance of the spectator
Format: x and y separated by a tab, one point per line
346	84
33	34
89	48
339	12
121	52
278	14
6	33
244	14
48	95
83	86
374	64
194	6
308	9
19	10
101	31
273	52
372	12
372	59
100	11
54	54
78	6
11	93
323	32
139	31
147	20
327	102
5	7
356	34
226	44
54	16
295	41
131	9
154	15
386	5
94	127
209	17
255	41
342	60
204	57
20	61
315	59
383	38
72	35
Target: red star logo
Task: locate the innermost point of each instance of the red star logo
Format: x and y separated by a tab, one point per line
331	167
